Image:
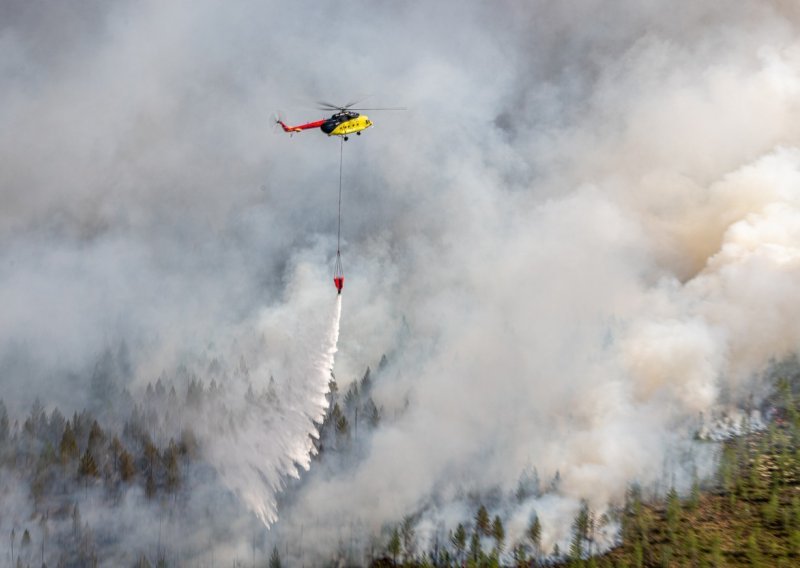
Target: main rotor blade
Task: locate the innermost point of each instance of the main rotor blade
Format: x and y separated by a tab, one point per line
355	102
328	106
379	108
349	106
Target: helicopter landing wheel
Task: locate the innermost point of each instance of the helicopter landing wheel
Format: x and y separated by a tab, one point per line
358	134
345	138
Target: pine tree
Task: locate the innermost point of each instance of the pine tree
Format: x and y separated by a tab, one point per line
638	554
633	515
673	512
87	466
366	382
694	496
68	448
520	555
150	452
483	522
38	419
475	551
580	531
80	424
340	422
717	560
352	397
96	438
459	541
726	471
555	483
407	532
333	386
753	551
372	413
394	545
499	535
528	485
55	427
692	546
576	546
275	559
535	536
171	466
771	508
189	446
127	467
26	540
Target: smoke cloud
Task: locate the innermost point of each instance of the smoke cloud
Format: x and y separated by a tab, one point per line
579	243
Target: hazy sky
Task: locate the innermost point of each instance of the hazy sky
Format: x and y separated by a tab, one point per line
584	232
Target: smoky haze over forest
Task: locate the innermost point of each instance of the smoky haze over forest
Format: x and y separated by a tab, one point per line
580	241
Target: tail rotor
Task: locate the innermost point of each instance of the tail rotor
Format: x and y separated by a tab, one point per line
278	124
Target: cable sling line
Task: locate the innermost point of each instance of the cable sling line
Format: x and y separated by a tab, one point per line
338	273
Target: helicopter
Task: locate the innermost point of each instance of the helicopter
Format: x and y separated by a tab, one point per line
343	122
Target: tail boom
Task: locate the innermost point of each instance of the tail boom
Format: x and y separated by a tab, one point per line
300	127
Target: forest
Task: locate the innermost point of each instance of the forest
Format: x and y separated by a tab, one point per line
129	448
746	514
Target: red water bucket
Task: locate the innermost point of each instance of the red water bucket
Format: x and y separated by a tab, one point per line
338	273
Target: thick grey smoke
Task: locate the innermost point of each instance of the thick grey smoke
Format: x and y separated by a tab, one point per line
581	237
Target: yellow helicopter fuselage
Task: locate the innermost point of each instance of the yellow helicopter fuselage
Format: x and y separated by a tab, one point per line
351	126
